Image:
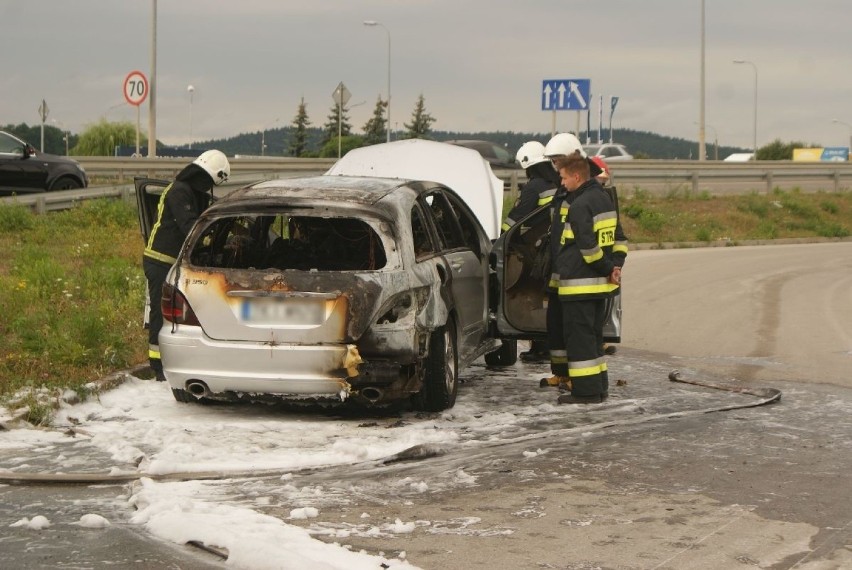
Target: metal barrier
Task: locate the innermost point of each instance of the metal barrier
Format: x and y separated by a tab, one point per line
659	177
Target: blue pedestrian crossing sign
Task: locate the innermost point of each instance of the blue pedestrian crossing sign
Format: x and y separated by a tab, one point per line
565	94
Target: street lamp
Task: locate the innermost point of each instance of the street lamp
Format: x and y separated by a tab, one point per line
190	89
754	145
839	122
375	23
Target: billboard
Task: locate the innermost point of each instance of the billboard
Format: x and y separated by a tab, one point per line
826	154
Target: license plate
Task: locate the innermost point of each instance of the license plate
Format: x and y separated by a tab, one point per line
277	311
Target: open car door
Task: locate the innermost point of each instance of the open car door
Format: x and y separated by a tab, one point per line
521	262
148	192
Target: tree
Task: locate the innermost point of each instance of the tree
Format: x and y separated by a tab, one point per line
101	138
347	143
54	137
375	131
421	121
777	150
299	142
330	128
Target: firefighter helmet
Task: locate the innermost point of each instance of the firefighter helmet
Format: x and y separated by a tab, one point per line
530	153
563	144
216	164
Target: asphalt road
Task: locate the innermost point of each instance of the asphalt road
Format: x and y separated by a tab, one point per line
647	480
765	487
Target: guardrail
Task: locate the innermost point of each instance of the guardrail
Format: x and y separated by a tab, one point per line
659	177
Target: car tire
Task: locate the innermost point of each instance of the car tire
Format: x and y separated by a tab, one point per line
506	355
65	183
441	372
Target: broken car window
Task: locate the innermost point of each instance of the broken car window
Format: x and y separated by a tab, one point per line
284	241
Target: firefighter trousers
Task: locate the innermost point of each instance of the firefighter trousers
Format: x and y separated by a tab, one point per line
582	325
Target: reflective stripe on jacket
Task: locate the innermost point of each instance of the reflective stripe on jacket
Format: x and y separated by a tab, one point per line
177	210
534	194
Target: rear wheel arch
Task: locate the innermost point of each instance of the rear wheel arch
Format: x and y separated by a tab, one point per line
440	370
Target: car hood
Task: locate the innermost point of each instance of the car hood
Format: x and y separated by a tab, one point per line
461	169
55	159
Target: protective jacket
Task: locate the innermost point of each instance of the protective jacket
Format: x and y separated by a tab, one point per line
590	244
177	211
538	191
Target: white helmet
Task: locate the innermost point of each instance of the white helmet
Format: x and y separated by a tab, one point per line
216	164
530	153
563	144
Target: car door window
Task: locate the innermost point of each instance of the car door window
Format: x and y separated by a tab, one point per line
8	145
445	221
470	228
503	155
421	238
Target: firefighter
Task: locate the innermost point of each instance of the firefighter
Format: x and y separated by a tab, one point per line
561	144
587	271
180	205
542	182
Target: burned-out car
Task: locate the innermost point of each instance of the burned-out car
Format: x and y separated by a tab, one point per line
359	284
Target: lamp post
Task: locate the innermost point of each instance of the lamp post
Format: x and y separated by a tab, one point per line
190	89
702	149
375	23
839	122
754	143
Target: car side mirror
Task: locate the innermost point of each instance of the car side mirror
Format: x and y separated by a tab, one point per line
29	150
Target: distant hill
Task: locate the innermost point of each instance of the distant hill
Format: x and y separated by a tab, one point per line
642	144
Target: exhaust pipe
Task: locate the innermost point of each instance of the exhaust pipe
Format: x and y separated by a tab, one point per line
372	394
198	388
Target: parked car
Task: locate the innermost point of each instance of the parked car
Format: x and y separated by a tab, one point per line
496	155
376	288
608	151
23	169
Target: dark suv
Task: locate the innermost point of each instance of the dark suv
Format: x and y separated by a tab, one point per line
496	155
23	169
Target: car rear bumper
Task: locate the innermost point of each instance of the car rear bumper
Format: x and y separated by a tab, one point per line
251	367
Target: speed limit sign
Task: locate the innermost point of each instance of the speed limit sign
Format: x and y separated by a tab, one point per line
135	88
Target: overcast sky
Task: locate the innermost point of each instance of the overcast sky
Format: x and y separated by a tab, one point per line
479	63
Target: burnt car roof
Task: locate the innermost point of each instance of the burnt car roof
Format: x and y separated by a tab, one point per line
363	191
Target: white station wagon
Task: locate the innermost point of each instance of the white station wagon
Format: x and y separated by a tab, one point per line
373	283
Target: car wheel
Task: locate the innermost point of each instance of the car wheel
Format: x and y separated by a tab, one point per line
65	183
441	376
506	355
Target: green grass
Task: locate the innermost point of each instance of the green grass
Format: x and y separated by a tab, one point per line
72	288
71	296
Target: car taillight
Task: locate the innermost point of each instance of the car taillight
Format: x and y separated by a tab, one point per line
175	308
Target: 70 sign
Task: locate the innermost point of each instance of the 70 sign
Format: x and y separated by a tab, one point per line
135	88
